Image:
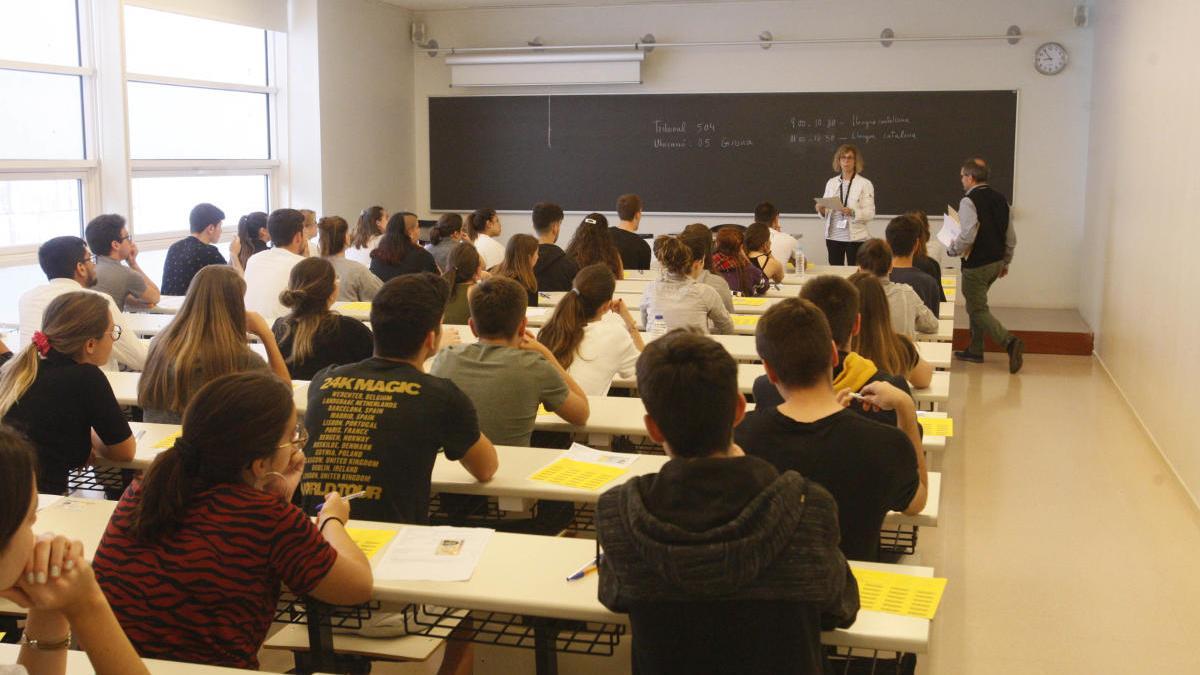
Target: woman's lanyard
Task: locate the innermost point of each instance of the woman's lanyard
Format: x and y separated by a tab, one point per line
845	197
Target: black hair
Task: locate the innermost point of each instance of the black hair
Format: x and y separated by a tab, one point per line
283	225
688	384
546	214
903	233
102	231
203	215
59	256
405	310
765	213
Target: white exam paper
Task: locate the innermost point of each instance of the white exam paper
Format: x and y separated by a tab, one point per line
831	203
417	554
47	500
950	228
582	453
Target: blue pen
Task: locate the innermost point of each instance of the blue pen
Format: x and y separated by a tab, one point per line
356	495
587	569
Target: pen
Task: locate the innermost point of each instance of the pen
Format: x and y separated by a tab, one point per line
356	495
544	295
587	569
139	434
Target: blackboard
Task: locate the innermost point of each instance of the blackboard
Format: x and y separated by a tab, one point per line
712	153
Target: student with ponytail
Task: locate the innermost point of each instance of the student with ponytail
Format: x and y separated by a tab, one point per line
368	230
252	237
592	336
682	301
312	337
62	598
520	257
207	339
357	284
876	340
194	556
464	271
445	237
55	393
483	226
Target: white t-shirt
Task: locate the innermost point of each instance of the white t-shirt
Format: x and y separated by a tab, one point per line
129	351
362	256
783	245
490	250
266	277
606	351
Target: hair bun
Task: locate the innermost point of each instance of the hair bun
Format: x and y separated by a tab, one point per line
291	298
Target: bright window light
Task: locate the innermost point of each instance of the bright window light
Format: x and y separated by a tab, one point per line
162	203
39	31
175	45
41	116
32	211
169	122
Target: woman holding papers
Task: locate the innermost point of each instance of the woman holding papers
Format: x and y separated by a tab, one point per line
847	206
194	556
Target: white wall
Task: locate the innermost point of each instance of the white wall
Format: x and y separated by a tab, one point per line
1138	276
1052	114
366	100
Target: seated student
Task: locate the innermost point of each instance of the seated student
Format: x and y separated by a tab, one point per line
444	237
758	249
109	239
875	339
483	226
520	257
194	555
724	564
909	315
922	260
62	597
465	270
508	373
555	270
634	251
399	252
308	249
783	245
310	336
730	261
838	300
870	468
357	284
252	237
425	414
207	339
904	237
188	255
70	267
267	273
592	336
700	239
592	243
55	394
677	297
368	230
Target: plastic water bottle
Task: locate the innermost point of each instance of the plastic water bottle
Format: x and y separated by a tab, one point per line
801	261
658	327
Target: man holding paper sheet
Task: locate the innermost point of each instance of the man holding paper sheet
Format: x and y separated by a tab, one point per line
724	564
986	242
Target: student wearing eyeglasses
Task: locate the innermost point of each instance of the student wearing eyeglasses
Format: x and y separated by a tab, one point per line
55	394
108	237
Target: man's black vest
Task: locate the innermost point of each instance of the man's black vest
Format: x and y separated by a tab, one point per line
992	208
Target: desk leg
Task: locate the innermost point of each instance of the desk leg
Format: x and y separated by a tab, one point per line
321	657
545	650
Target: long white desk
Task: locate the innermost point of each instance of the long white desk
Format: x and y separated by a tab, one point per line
167	304
147	325
526	574
78	664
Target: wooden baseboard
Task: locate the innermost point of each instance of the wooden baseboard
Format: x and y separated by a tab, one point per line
1036	342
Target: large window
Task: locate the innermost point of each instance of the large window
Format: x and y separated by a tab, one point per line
45	82
201	109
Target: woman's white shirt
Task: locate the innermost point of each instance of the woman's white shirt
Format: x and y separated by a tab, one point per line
607	350
861	199
362	256
490	250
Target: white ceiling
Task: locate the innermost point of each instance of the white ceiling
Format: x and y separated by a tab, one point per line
435	5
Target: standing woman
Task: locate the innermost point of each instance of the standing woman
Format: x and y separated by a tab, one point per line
846	227
252	237
731	262
592	336
367	233
463	272
399	251
357	284
592	243
444	236
520	256
55	393
483	226
312	337
758	249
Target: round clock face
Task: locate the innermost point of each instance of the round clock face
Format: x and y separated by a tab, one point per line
1050	58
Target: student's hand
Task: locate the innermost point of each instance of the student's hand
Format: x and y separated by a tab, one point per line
55	577
883	396
257	325
286	486
530	343
622	310
133	253
1003	272
450	336
335	506
844	398
847	211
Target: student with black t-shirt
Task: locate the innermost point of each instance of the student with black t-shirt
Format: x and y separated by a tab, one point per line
635	252
870	468
378	425
838	300
904	237
723	563
312	337
555	270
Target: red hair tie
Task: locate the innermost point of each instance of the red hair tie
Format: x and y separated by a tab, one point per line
41	342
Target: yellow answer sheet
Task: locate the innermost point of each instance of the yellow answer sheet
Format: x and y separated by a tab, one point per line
900	594
937	426
745	319
576	474
168	441
749	302
370	541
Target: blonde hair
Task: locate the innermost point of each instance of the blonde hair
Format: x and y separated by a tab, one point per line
675	256
517	261
876	339
207	336
843	149
69	322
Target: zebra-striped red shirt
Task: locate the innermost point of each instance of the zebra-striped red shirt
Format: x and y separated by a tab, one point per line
207	593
